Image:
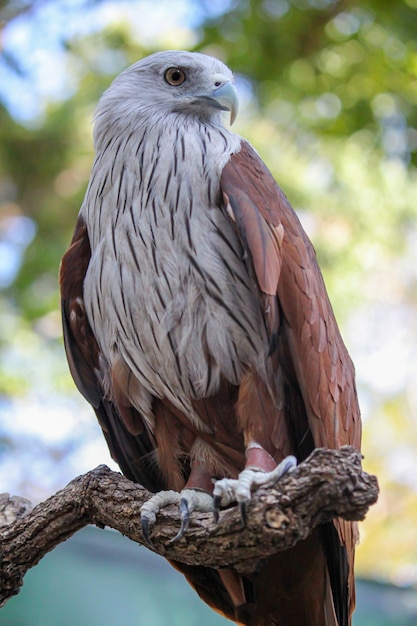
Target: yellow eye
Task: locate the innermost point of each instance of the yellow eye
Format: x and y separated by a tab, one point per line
175	76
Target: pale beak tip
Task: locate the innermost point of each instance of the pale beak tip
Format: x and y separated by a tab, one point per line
233	115
226	96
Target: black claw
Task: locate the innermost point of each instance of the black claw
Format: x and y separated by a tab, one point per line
145	531
185	520
216	507
287	468
243	516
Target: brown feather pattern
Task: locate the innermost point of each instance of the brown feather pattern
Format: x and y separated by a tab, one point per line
315	358
196	320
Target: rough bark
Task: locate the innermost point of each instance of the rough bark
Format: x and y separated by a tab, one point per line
330	483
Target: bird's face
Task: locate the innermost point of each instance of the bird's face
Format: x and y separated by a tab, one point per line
174	82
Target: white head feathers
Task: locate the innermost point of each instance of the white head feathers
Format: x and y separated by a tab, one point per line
168	83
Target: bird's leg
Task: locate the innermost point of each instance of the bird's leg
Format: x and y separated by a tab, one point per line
260	471
196	496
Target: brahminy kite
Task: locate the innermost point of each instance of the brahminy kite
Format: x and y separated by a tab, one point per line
197	325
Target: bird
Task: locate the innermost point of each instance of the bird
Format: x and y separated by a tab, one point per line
197	324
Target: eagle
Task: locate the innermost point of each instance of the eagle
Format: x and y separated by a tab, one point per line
196	323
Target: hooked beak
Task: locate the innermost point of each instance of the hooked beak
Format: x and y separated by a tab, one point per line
225	98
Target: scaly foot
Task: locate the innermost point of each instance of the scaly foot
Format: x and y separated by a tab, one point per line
188	500
227	490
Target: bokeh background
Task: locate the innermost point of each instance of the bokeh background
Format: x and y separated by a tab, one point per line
328	92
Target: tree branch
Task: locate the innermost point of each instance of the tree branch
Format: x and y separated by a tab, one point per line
330	483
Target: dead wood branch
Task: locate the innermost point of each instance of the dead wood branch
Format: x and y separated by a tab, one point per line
330	483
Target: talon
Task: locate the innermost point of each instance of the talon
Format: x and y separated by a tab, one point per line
150	509
290	463
189	500
216	507
145	530
287	465
243	516
185	520
185	515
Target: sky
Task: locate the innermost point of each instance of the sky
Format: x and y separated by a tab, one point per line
35	41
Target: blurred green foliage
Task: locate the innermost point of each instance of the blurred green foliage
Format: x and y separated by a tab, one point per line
329	92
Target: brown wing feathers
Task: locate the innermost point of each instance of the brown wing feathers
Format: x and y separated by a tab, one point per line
292	278
321	397
258	234
80	344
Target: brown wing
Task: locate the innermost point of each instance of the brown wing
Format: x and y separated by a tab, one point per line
134	453
321	395
296	305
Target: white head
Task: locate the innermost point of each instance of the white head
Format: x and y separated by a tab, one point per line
166	83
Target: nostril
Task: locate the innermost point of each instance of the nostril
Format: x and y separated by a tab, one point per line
217	83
